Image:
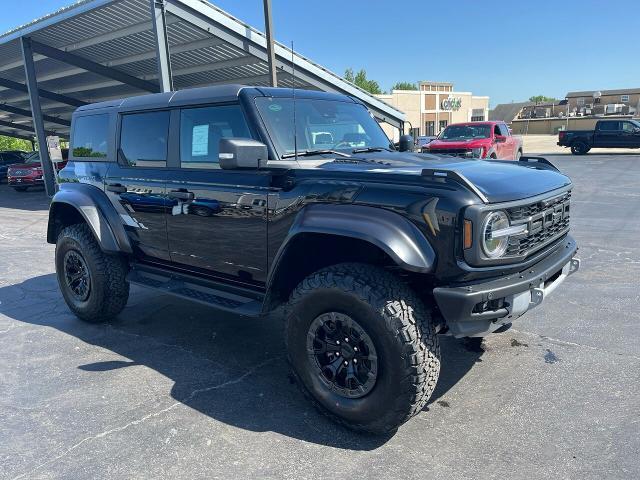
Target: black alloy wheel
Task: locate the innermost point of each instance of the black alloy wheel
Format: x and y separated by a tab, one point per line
343	354
77	276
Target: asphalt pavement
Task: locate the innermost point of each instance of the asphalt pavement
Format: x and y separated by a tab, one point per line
177	390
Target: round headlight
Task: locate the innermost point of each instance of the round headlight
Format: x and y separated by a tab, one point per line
495	247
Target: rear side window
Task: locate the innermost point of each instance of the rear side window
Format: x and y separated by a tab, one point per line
201	130
90	135
609	126
143	139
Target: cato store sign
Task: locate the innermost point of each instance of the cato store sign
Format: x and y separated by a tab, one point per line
451	103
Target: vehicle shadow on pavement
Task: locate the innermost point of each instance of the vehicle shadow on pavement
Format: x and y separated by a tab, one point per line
32	200
232	369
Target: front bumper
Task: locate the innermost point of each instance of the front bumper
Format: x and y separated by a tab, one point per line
25	181
479	309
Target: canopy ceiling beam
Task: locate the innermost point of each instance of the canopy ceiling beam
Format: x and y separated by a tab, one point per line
91	66
26	113
21	87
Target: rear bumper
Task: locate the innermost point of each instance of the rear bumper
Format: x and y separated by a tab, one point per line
464	308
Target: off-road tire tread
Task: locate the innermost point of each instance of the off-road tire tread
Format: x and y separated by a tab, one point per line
112	268
405	317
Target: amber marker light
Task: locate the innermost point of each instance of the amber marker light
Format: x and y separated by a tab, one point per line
468	234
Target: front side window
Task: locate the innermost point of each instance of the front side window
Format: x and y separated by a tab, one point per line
319	125
629	127
143	139
90	134
201	130
504	129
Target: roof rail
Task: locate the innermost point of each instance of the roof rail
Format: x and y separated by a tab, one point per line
456	176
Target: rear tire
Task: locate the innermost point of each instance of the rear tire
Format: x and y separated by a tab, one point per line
92	282
399	351
518	155
579	148
20	189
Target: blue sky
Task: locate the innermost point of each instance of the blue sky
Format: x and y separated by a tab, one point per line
507	50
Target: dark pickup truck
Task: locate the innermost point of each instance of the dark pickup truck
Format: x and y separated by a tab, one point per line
608	134
216	195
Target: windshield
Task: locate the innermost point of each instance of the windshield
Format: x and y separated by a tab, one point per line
320	125
33	157
463	132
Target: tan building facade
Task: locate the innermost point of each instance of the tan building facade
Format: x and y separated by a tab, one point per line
434	106
607	102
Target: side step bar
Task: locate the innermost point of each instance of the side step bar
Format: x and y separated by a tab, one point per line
198	290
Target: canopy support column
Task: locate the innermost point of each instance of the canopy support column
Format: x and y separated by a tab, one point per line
36	116
271	54
159	20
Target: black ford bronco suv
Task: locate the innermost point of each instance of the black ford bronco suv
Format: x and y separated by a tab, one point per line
254	200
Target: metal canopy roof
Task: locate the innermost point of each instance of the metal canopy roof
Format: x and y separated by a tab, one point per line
97	50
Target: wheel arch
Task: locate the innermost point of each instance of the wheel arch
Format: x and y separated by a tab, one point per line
78	203
324	235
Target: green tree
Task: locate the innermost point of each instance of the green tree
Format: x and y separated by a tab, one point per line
542	99
360	79
404	86
10	143
349	76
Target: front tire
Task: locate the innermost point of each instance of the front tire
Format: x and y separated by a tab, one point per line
362	346
92	282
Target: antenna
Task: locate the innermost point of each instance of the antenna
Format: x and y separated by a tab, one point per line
295	130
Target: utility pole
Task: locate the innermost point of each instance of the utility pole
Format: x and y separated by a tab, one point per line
271	55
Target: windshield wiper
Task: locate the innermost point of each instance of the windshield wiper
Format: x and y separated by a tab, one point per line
308	153
371	149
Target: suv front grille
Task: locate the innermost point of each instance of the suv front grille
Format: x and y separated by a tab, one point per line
546	220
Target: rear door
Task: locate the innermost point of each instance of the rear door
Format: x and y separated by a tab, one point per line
607	134
217	220
136	183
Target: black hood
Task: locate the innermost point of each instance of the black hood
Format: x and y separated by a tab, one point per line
499	181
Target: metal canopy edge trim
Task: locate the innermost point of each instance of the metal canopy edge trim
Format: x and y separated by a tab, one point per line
194	16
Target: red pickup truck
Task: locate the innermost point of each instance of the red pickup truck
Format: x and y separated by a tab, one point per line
492	140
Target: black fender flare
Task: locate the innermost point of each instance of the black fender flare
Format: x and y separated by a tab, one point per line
391	232
98	212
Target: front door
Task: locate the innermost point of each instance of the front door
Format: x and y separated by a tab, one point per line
136	184
217	219
630	135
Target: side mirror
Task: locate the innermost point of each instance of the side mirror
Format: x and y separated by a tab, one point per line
242	153
406	143
501	139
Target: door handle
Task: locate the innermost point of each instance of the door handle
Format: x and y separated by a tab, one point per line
116	188
181	195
